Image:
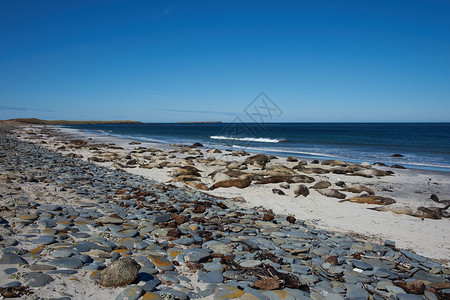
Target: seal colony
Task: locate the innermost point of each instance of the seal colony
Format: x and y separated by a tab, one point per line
74	217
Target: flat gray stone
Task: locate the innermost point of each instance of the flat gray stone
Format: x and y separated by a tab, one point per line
12	258
150	285
12	284
68	263
44	240
63	253
132	292
197	255
333	296
394	289
210	277
422	275
39	267
361	265
404	296
10	271
213	266
36	279
414	256
382	273
357	294
250	263
51	207
9	242
161	218
169	278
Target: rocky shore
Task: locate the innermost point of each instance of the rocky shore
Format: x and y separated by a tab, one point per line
73	229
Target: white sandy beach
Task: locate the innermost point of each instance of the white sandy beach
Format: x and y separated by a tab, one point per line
410	189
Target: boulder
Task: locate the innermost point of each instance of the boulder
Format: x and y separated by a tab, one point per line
121	272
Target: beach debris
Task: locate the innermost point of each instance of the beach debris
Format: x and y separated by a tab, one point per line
291	219
268	217
269	283
14	291
416	287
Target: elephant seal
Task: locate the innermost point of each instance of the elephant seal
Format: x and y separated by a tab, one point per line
197	185
323	184
259	160
358	189
278	192
372	200
274	179
420	212
301	190
184	178
186	170
239	183
332	194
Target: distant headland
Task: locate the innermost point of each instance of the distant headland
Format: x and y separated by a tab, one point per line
199	122
36	121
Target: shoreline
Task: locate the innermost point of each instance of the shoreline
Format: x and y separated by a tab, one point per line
325	212
284	153
65	217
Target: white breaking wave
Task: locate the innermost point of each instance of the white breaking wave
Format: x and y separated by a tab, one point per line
247	139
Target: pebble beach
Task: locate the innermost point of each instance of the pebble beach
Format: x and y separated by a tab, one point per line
177	223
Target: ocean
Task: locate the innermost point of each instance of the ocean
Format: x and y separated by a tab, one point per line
422	145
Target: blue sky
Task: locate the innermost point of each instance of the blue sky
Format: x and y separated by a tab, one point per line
168	61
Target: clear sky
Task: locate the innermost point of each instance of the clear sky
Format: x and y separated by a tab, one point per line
166	61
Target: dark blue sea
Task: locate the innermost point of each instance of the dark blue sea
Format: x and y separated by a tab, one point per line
423	145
